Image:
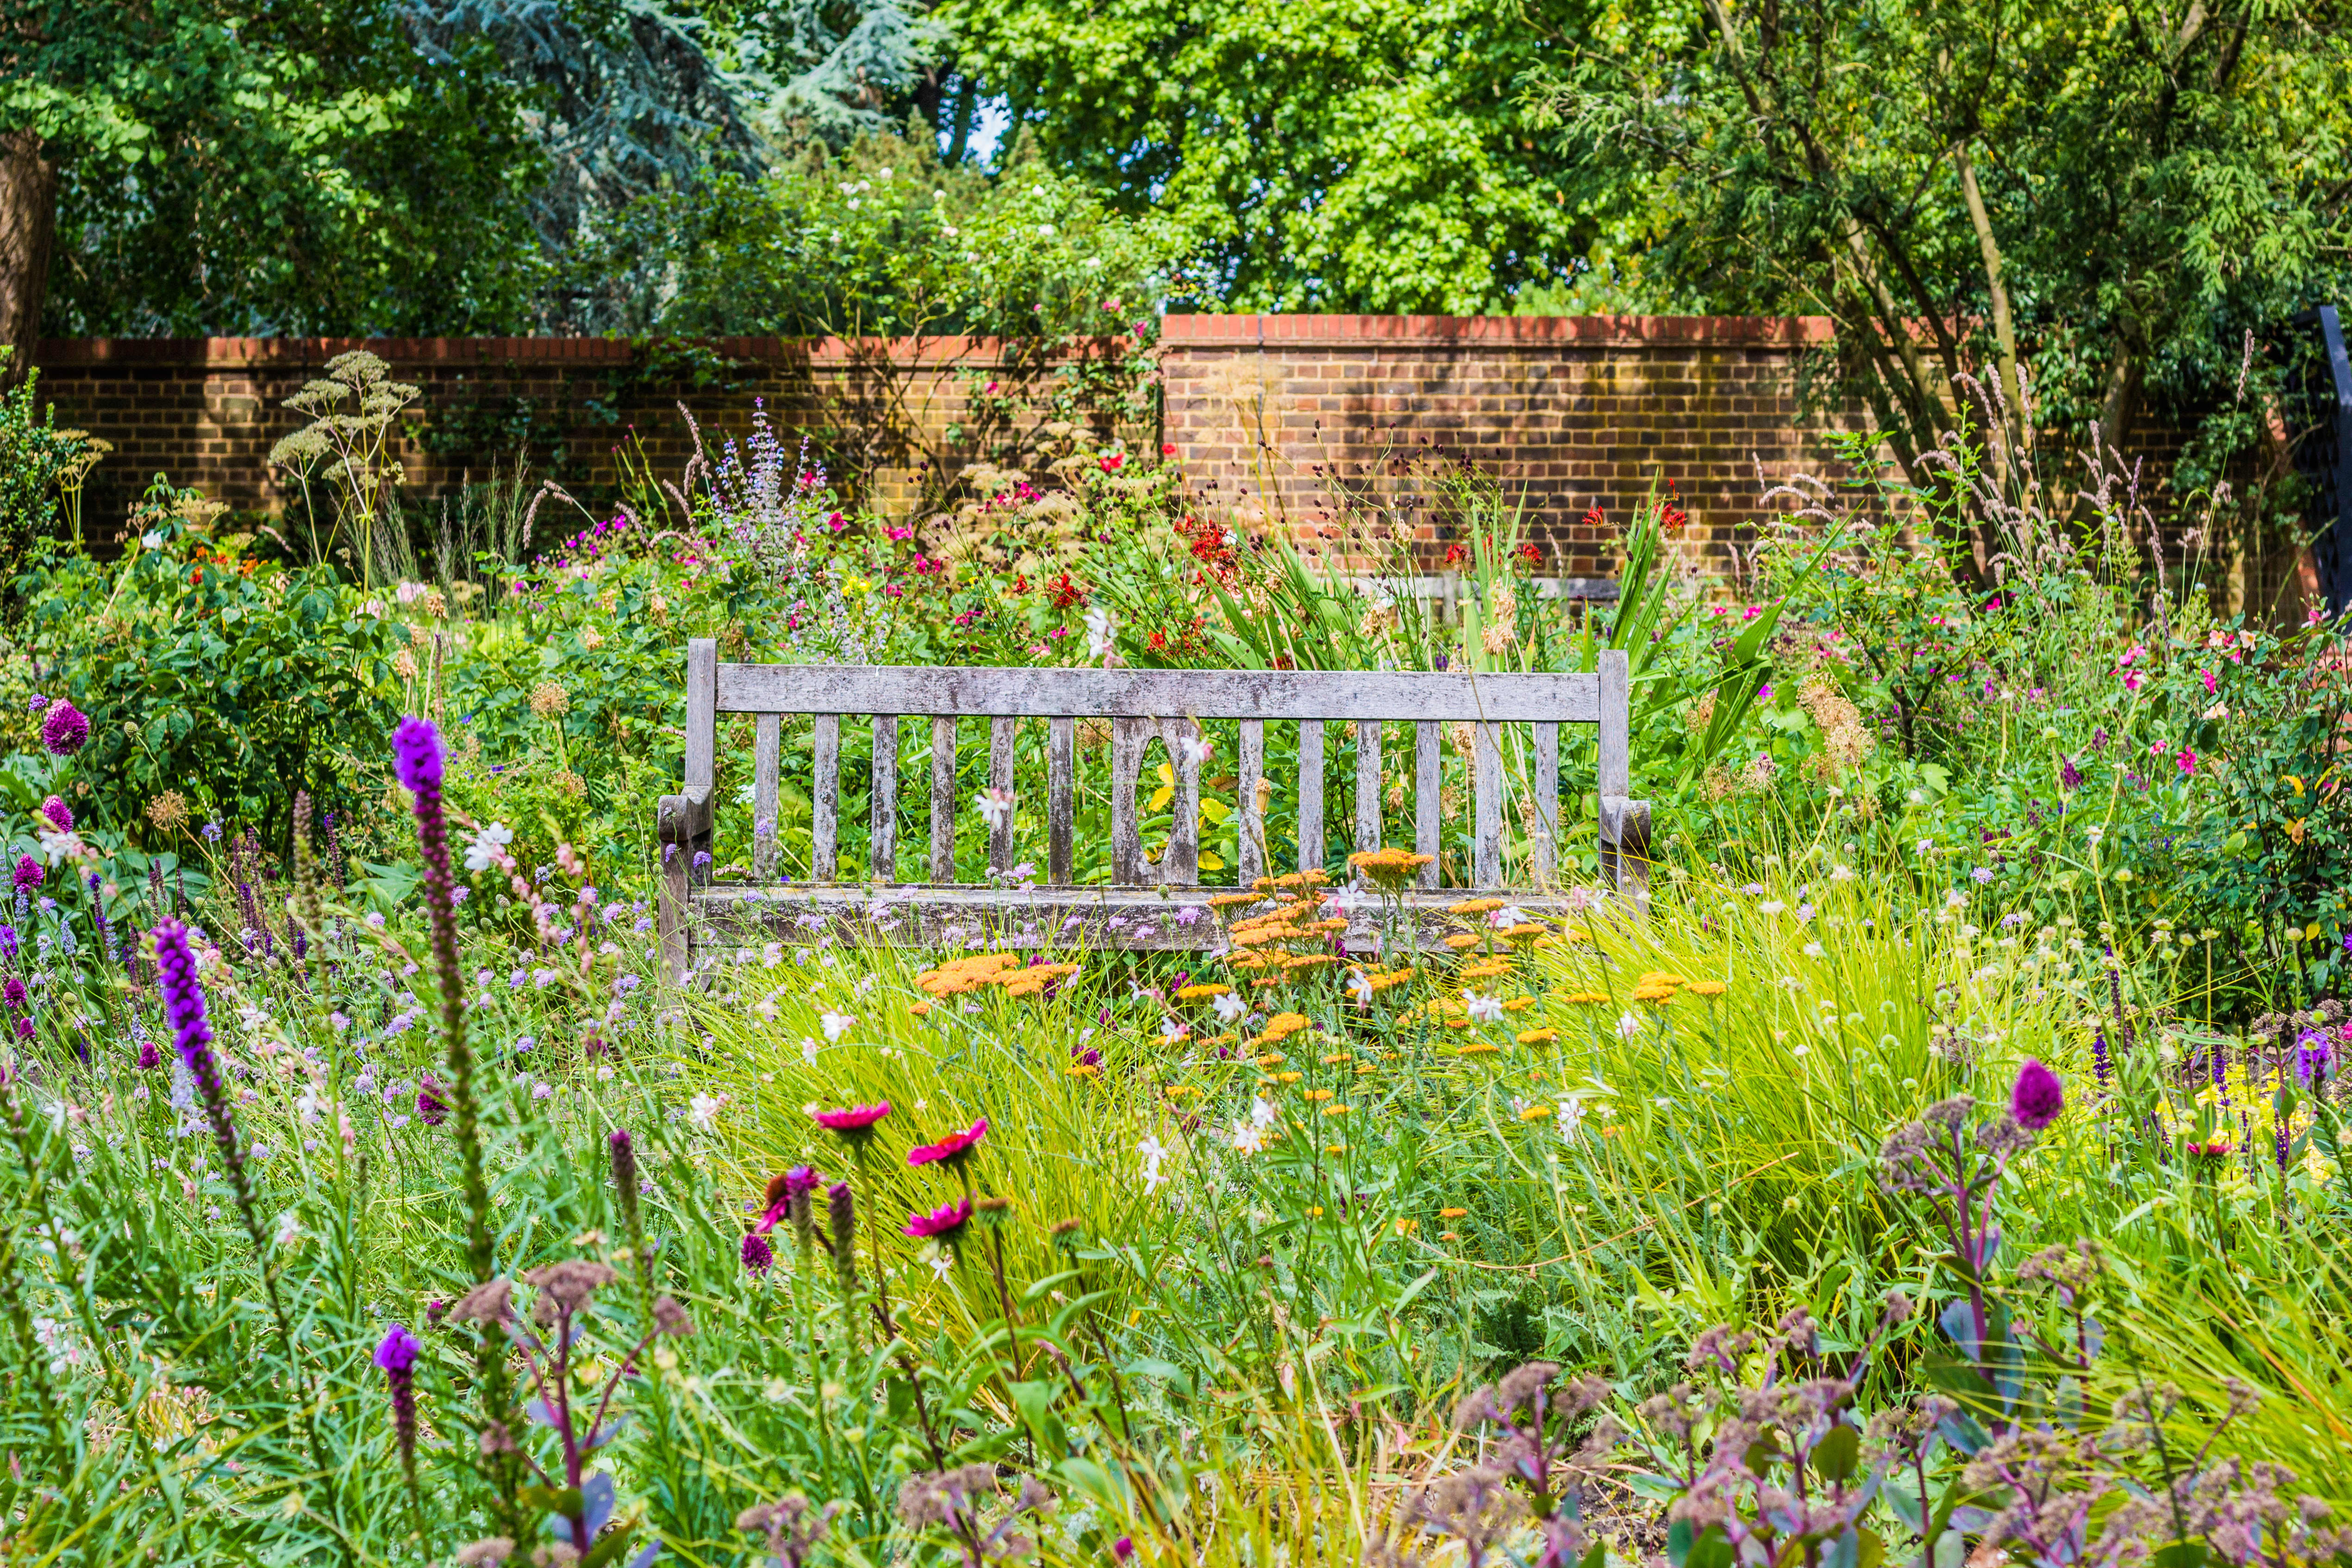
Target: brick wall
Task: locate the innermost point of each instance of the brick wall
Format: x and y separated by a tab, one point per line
207	411
1268	414
1281	413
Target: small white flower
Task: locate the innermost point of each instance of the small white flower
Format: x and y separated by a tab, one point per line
1841	872
1262	1112
1628	1026
153	540
1195	749
1771	906
486	846
1359	987
942	1264
1100	631
1248	1137
1510	914
808	1050
1570	1117
837	1025
289	1228
1229	1007
1172	1030
996	807
704	1110
1813	949
1153	1155
2094	833
1954	899
1483	1009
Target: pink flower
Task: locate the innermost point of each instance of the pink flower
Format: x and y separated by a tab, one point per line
853	1124
942	1223
2188	760
2207	676
2134	680
952	1150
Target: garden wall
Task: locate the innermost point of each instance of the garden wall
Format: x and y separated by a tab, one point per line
1266	412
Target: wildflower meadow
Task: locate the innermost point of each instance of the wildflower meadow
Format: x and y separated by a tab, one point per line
1944	1162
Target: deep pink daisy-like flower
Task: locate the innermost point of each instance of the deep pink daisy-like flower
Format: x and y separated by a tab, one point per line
782	1190
853	1124
951	1150
944	1223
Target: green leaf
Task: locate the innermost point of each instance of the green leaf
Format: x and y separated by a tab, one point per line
1836	1454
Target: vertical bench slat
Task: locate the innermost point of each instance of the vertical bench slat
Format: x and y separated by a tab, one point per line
999	779
1487	852
1179	865
1428	776
1249	767
769	738
825	791
883	819
943	775
1061	758
1310	793
1127	739
1368	786
1547	787
701	718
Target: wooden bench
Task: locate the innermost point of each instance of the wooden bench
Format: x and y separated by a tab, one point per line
1147	904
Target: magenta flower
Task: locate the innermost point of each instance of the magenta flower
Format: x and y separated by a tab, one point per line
951	1150
64	731
397	1357
757	1254
430	1106
57	814
944	1223
2188	761
853	1124
781	1191
28	873
2037	1098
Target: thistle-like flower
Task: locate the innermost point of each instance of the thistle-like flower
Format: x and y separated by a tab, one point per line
2037	1097
64	731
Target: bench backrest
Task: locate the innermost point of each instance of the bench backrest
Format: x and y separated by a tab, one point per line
1168	705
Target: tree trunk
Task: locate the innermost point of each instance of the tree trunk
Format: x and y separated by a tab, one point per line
28	226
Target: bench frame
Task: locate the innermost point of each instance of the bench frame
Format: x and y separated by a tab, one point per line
1142	705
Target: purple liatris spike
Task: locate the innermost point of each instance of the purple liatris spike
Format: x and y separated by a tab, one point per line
841	1210
192	1037
757	1254
2099	1059
2037	1097
2221	1070
396	1354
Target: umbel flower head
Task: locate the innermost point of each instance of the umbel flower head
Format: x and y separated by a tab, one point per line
2037	1097
64	731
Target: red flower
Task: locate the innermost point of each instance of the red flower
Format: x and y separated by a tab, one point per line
1672	518
942	1223
1158	641
1114	463
951	1150
1594	516
855	1123
1455	555
1167	449
1532	553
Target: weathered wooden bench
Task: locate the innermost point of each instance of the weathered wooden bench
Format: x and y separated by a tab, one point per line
1146	905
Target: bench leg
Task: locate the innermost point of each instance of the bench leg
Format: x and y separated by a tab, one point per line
683	831
1626	849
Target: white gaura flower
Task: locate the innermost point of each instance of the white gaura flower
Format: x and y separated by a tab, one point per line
996	807
289	1228
1629	1025
1100	631
1153	1155
1484	1009
1262	1112
486	846
704	1110
808	1049
1195	749
1229	1007
837	1025
1172	1030
1359	987
1248	1137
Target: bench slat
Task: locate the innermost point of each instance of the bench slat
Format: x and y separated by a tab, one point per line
1368	785
1310	794
1180	864
701	716
999	779
769	738
1148	693
1249	767
1127	739
943	774
825	791
1428	773
1061	759
1486	854
1547	786
883	818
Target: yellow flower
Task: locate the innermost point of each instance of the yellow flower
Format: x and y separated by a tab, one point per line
1479	1048
1337	1110
1518	1004
1271	1058
1451	1213
1538	1036
1235	900
1280	1027
1707	988
1659	977
1176	1090
1085	1069
1459	940
1288	1077
1475	906
1335	1148
1309	961
1335	1057
1315	1212
1201	993
1407	1227
1585	998
1318	1094
1484	971
1536	1114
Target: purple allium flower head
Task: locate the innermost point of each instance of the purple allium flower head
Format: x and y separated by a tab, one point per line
12	991
28	873
430	1107
64	731
57	814
757	1254
2037	1097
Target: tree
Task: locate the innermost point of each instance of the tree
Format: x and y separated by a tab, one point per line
2080	211
1339	155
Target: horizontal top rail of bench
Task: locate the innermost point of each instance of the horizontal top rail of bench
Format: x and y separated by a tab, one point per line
1158	693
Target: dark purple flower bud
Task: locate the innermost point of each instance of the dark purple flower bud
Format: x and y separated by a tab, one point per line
430	1107
57	814
841	1210
24	1029
28	873
64	731
757	1254
2070	776
2037	1097
12	991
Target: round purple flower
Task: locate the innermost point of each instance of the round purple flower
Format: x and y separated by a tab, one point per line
24	1029
28	873
64	729
399	1350
12	991
757	1254
430	1108
2037	1097
57	814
